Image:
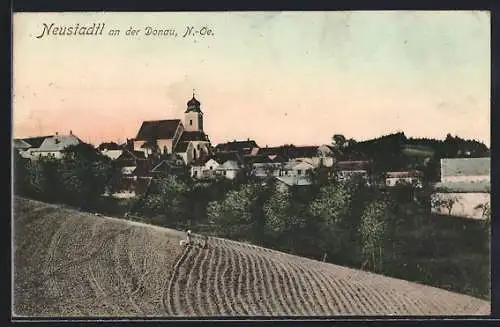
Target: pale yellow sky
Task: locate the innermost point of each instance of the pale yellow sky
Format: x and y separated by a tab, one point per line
292	77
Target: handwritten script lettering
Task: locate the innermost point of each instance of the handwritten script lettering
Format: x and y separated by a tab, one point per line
100	29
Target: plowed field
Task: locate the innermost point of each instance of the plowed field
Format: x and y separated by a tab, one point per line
69	263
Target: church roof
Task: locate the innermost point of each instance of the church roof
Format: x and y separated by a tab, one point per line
193	136
158	129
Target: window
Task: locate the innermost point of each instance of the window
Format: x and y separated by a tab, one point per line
190	122
299	172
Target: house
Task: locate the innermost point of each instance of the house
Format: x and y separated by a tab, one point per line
171	135
230	164
226	164
169	167
245	148
395	178
129	158
262	166
54	146
20	145
111	150
464	189
285	182
302	169
351	169
204	168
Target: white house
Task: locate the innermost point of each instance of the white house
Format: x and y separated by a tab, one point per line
394	178
350	169
266	165
229	169
226	164
302	168
54	146
464	189
111	150
204	168
285	182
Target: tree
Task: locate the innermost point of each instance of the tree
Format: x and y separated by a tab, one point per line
22	181
447	202
374	231
328	213
485	210
167	201
234	215
339	140
85	174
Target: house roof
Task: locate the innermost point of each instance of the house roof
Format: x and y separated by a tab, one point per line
353	165
263	159
222	157
35	142
403	174
109	146
58	143
465	167
291	151
229	165
131	154
193	136
21	144
463	187
158	129
242	146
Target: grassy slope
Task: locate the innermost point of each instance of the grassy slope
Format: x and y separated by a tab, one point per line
69	263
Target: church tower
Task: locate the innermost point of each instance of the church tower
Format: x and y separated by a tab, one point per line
193	117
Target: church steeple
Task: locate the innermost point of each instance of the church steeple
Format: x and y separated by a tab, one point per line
193	105
193	116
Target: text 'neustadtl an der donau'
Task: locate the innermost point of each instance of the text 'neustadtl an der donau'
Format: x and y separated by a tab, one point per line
100	29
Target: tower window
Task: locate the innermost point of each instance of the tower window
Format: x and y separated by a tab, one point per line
190	122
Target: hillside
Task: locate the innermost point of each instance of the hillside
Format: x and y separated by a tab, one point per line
69	263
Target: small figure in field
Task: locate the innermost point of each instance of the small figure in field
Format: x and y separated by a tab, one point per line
187	241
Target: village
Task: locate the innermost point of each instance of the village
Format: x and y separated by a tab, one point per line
180	147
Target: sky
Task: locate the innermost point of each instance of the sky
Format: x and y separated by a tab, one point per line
275	77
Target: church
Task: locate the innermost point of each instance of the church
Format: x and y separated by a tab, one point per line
172	136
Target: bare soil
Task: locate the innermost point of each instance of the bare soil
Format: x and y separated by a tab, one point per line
69	263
